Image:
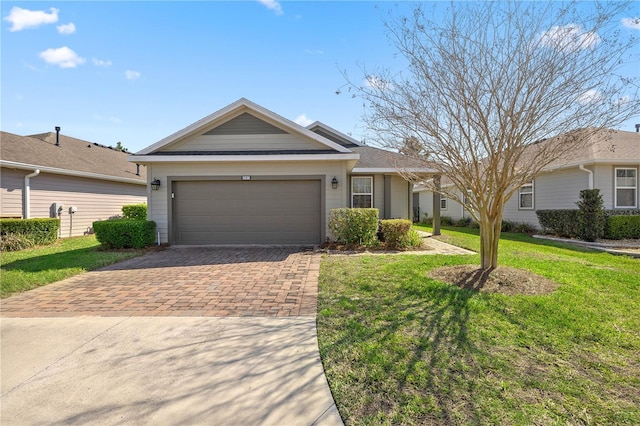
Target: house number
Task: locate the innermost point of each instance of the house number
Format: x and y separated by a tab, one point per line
246	177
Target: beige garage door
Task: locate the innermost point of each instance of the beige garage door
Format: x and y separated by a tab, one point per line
246	212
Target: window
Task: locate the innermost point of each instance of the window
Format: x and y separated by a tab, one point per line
362	192
626	188
443	202
525	195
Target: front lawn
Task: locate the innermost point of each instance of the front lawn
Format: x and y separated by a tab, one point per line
402	348
27	269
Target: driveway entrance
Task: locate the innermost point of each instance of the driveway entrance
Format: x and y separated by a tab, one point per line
184	281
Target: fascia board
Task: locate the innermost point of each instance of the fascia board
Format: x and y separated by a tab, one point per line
239	105
338	133
239	158
67	172
591	162
392	170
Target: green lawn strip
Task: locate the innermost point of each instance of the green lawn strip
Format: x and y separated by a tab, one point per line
401	348
27	269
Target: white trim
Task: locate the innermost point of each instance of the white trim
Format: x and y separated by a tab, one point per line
520	193
616	187
235	109
239	158
588	163
335	132
391	170
361	193
66	172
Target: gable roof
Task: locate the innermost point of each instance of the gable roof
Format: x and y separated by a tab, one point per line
608	146
372	160
73	157
234	110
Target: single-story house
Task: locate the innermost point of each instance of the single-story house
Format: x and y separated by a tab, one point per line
608	162
52	175
246	175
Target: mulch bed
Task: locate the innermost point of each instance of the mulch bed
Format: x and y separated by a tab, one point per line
503	279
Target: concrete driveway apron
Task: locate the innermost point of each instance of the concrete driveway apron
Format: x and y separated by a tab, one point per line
182	336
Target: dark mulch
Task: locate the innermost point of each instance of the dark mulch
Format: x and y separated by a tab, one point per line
503	279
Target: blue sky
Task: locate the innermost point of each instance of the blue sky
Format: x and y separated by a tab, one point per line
136	72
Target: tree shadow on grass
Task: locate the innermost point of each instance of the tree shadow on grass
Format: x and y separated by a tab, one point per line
427	368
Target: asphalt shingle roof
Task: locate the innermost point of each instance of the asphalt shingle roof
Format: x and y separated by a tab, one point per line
72	154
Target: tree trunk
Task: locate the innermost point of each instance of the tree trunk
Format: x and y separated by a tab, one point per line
489	239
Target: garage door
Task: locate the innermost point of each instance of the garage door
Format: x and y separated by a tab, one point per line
247	212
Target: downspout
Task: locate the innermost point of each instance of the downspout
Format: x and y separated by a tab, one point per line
27	193
584	169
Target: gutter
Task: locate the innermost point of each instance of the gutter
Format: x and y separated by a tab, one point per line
55	170
581	167
27	193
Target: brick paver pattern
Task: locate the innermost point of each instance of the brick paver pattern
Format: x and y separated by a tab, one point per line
189	281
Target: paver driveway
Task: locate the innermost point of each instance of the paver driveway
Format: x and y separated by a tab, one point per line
184	281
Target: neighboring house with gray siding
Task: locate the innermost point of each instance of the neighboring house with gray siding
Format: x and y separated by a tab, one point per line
245	175
610	163
40	172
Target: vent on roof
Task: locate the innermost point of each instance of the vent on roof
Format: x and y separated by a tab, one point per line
637	128
57	135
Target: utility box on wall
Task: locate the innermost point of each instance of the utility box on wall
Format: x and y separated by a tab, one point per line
56	210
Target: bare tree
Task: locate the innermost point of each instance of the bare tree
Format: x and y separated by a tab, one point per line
486	82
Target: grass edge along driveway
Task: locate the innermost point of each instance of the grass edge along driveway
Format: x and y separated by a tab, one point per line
27	269
401	348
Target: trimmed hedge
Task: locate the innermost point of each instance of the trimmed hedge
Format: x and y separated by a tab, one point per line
562	222
395	232
135	211
354	226
619	227
18	234
125	233
591	218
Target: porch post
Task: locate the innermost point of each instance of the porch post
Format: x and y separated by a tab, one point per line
436	205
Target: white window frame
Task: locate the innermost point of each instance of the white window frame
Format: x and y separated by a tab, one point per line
362	193
616	187
444	202
521	193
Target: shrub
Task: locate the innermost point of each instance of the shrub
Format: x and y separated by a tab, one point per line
354	226
135	211
395	232
518	227
463	222
413	239
446	221
18	234
562	222
619	227
591	218
125	233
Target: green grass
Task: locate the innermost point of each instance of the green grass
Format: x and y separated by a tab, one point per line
401	348
31	268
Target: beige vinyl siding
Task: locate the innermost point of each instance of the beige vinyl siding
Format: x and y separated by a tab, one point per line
158	201
454	209
378	194
245	143
245	124
399	198
11	186
94	199
604	179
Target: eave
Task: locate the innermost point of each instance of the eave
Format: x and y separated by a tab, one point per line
240	158
67	172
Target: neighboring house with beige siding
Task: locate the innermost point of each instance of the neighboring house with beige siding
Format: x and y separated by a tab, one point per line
610	163
245	175
40	173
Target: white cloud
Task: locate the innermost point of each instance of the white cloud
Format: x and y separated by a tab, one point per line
569	37
111	119
69	28
132	75
314	52
273	5
377	83
63	57
303	120
24	18
100	62
633	23
590	96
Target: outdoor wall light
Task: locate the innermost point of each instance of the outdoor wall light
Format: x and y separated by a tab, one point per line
334	183
155	184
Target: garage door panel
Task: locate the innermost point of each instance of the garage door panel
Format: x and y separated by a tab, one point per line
247	212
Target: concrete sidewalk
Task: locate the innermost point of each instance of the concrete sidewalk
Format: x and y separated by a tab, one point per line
160	370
